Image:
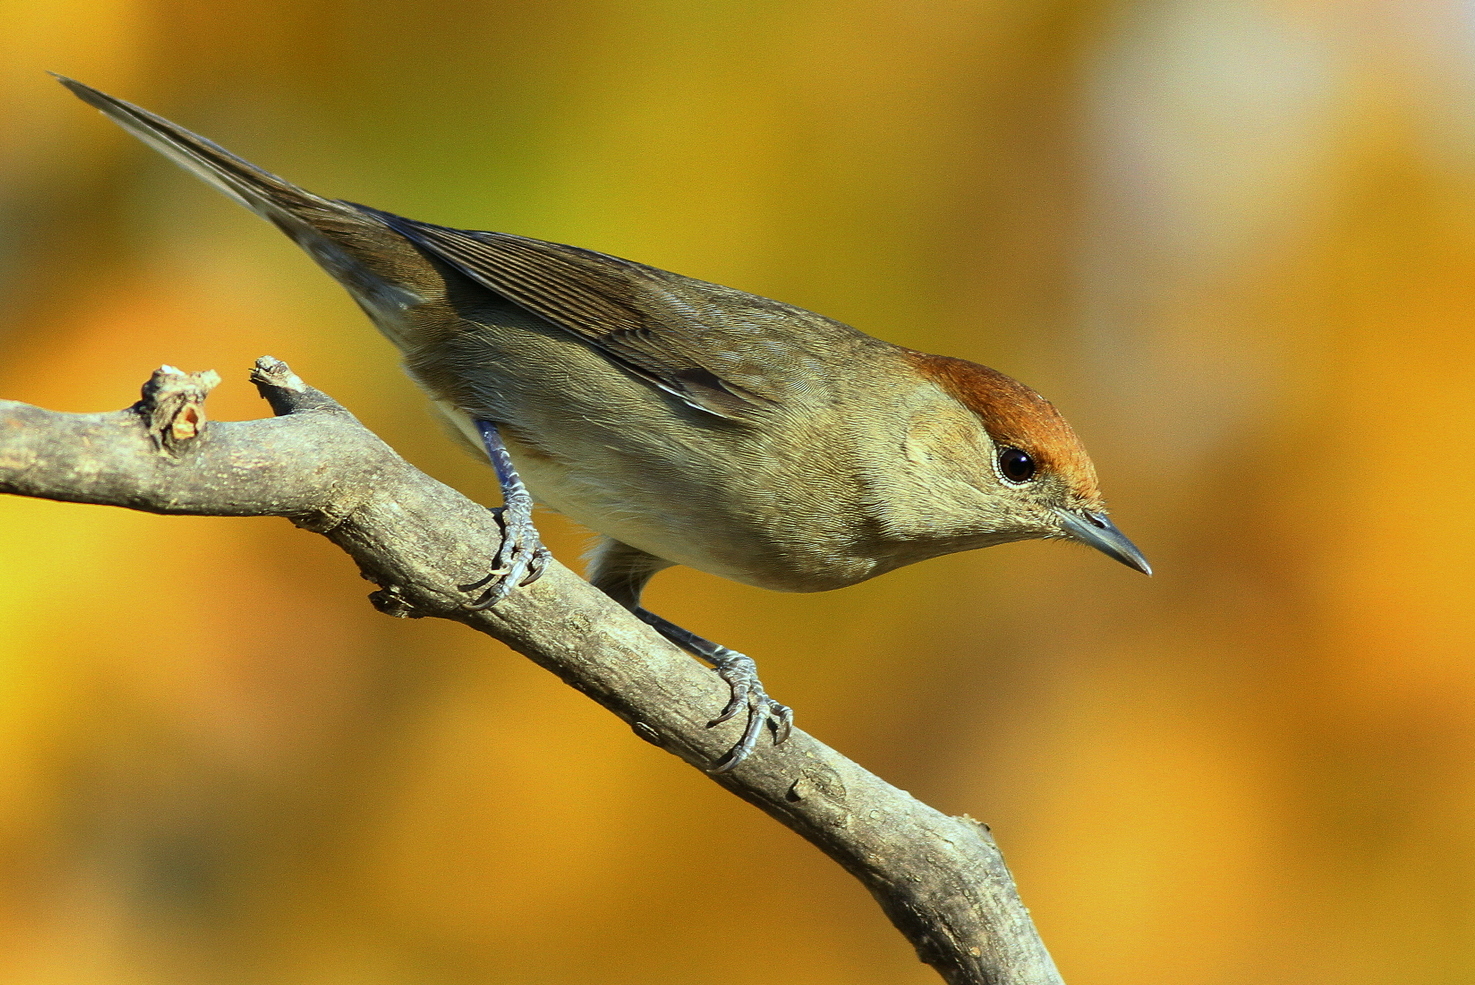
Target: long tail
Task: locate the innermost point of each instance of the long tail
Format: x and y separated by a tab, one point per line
281	202
349	242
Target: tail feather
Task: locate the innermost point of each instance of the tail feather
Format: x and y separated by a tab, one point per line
348	242
260	191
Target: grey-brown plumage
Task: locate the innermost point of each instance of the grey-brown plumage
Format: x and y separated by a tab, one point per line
688	423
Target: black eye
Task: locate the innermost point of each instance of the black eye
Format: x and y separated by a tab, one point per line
1016	465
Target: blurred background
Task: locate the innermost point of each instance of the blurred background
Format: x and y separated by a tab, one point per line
1234	241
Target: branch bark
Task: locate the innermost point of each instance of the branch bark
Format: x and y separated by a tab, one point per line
940	879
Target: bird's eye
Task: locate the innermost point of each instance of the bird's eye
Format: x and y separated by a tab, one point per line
1016	466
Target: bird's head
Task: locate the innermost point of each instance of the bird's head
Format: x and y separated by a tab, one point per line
1035	480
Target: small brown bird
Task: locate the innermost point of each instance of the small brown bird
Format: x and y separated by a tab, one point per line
688	423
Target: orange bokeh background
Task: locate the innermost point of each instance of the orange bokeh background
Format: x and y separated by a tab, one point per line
1233	241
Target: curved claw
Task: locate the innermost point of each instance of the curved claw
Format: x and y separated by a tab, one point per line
522	557
521	560
735	704
741	675
541	556
782	717
747	692
761	710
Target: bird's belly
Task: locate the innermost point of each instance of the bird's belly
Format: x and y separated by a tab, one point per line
714	530
709	536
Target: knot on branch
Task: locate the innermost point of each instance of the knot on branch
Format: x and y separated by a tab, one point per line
173	405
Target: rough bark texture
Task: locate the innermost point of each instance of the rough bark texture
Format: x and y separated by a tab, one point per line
940	879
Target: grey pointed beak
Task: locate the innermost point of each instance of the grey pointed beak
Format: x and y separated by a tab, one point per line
1097	531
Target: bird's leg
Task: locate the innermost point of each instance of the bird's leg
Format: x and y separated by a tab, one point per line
741	675
522	557
621	572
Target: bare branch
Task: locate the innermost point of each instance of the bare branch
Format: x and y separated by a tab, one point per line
940	879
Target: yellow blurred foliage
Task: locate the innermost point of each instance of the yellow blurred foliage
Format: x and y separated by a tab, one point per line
1234	241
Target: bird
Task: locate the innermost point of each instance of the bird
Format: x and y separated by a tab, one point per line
684	422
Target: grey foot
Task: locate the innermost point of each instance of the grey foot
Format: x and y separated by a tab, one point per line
520	560
522	556
741	675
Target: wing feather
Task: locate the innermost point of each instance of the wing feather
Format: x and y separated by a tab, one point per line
713	347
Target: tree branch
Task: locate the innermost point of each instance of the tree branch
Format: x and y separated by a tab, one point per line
940	879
